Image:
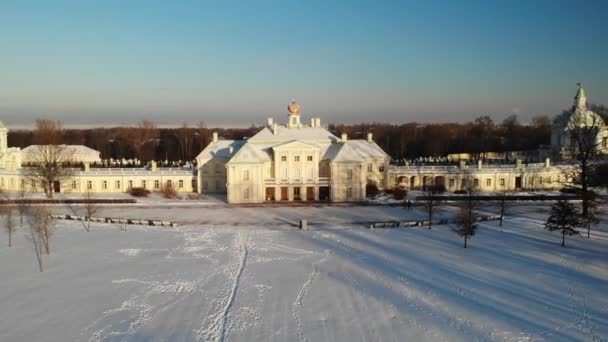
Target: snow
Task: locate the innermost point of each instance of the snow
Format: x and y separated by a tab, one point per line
248	274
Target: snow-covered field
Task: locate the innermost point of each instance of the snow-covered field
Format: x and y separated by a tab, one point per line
247	274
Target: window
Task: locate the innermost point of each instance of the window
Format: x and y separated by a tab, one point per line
540	180
463	183
156	184
604	142
73	184
130	184
104	185
283	158
246	175
169	185
34	184
143	184
309	158
451	182
296	158
23	184
476	182
117	184
381	167
194	185
549	179
349	174
502	182
180	184
246	193
370	167
89	185
488	182
217	168
349	192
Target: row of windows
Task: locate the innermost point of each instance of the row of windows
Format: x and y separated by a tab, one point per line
296	158
370	167
502	181
130	184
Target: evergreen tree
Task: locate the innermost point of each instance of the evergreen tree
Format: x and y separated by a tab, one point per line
565	218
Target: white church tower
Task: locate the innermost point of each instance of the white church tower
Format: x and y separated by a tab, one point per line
3	138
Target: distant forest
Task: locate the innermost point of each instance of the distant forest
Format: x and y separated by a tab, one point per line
145	141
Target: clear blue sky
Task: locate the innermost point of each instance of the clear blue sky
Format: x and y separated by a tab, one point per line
225	62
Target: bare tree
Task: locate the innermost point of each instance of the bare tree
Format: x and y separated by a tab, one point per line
467	216
503	206
202	133
90	208
43	226
145	133
48	132
430	203
9	225
49	166
185	137
592	218
583	128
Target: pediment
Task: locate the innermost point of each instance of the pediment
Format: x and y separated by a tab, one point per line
295	145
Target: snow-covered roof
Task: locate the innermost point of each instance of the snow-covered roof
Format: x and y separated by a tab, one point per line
249	153
284	134
72	149
357	150
220	149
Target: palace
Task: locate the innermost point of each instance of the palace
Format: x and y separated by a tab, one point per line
292	162
299	162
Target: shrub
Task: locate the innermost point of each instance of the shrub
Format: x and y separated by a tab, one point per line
399	193
169	192
139	192
371	190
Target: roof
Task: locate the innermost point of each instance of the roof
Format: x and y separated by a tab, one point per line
250	154
73	149
284	134
357	150
220	149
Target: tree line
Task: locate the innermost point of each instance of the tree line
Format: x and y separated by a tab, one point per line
146	141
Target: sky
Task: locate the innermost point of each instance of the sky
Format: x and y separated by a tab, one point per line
234	63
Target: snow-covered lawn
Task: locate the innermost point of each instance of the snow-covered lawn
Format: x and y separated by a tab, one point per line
247	274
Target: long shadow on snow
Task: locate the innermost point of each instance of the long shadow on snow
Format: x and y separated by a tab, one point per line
394	269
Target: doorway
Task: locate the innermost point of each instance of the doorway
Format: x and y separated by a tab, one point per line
310	193
56	186
518	182
270	194
324	193
284	193
296	194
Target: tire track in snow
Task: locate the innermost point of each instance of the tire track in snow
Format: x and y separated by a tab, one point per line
298	302
217	329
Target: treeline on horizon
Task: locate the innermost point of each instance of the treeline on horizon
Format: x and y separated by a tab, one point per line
145	141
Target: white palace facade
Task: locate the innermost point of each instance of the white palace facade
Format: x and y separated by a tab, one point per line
295	161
